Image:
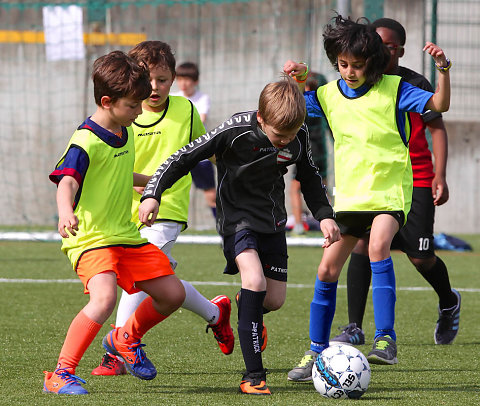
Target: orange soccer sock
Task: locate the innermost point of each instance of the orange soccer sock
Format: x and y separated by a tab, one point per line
144	318
80	335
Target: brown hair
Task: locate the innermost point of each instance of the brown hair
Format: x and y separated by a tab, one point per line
188	70
154	53
117	75
281	105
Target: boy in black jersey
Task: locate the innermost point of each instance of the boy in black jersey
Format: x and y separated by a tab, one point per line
253	151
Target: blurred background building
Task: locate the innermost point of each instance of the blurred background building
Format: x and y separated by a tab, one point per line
47	49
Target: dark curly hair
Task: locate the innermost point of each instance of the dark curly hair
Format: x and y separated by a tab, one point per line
360	39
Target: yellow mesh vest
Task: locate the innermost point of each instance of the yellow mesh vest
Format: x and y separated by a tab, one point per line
103	209
372	164
157	136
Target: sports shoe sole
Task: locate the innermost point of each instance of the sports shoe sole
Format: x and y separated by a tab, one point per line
375	359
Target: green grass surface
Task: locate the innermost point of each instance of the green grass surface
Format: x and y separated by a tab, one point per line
191	368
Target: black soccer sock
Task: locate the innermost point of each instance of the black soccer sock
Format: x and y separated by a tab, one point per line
437	277
250	327
237	297
359	275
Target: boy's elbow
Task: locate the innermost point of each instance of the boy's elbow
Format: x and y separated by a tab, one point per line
444	107
439	106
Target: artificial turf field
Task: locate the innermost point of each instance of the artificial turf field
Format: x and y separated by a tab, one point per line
37	309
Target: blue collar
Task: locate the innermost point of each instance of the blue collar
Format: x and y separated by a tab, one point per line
105	135
353	93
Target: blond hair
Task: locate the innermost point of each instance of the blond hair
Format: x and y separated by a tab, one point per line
282	105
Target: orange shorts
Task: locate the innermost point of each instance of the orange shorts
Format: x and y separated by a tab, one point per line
130	263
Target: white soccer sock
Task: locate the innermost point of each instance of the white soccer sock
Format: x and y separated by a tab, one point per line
127	306
197	303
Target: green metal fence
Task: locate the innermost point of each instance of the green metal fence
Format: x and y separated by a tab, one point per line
239	45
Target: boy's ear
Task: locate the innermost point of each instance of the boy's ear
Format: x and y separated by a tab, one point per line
259	118
401	52
106	102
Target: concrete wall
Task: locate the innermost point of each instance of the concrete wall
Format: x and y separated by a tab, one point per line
460	214
240	47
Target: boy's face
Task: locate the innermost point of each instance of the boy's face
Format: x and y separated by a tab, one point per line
124	111
278	138
186	85
391	40
161	79
352	69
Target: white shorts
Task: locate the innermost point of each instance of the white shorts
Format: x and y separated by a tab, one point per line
163	235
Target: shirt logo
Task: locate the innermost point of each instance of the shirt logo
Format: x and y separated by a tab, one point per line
121	153
147	134
267	149
284	155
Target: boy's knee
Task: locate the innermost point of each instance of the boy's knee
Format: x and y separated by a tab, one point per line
179	297
273	303
175	297
378	251
105	302
327	273
423	264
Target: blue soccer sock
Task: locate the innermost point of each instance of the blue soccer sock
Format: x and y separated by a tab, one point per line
383	296
322	310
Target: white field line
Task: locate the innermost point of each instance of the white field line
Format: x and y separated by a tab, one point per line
215	283
182	239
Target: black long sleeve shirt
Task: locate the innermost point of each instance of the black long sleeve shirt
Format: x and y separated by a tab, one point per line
251	188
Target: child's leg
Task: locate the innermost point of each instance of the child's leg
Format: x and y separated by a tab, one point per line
276	294
359	276
384	227
82	331
127	306
194	301
89	320
163	235
322	308
250	308
166	294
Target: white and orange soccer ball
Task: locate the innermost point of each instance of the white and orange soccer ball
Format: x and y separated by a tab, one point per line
341	371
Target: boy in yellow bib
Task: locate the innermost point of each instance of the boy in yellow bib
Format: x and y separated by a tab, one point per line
95	179
166	124
367	112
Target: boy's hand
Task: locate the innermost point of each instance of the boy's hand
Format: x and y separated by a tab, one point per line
330	231
69	222
147	211
139	189
437	54
440	191
292	68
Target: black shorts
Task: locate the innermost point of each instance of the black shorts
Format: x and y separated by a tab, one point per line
416	238
203	175
271	249
358	223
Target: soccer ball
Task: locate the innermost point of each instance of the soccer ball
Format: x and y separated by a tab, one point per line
341	371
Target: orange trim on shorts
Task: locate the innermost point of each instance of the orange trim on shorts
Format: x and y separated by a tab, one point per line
131	263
